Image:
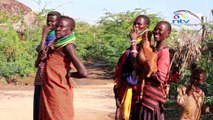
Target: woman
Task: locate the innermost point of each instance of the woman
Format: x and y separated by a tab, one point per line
56	92
124	71
151	103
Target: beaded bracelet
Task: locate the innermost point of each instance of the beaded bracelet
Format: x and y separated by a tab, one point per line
133	41
134	44
134	51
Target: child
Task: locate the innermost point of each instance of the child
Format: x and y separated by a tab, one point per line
48	35
190	99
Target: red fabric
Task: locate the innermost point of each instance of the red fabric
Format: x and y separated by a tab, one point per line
150	100
154	91
119	66
174	77
56	94
118	72
121	92
163	63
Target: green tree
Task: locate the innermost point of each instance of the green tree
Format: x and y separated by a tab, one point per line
113	37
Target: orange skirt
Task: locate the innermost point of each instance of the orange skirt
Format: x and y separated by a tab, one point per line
56	93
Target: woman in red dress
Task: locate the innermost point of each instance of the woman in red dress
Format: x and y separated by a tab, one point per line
57	93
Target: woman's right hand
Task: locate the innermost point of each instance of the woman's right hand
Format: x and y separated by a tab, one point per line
133	34
118	103
43	55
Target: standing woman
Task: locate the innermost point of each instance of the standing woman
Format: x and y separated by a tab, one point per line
153	92
57	90
124	92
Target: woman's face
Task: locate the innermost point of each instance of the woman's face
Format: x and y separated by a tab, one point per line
63	28
161	32
140	24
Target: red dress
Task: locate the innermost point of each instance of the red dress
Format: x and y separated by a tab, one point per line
56	93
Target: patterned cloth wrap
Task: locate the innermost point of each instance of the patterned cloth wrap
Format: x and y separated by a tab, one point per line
57	90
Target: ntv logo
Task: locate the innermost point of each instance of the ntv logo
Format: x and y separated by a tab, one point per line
180	18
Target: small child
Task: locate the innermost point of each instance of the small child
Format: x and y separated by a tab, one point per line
191	99
48	33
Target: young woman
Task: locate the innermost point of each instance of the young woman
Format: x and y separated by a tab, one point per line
151	103
124	90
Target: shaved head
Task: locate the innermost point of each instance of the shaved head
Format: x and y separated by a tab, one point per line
70	22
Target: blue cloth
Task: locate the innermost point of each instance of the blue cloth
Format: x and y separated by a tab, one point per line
49	39
126	75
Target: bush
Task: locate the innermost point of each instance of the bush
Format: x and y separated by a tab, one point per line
17	56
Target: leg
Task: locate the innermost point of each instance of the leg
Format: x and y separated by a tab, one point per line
36	102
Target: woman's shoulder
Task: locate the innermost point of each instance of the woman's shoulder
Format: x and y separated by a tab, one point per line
164	53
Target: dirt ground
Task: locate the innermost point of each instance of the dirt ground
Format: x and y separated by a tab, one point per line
93	97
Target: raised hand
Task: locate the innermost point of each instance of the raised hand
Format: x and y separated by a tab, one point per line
134	33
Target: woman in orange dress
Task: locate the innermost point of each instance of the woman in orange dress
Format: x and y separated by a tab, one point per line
56	92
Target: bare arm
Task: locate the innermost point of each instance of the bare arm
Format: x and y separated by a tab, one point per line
45	31
181	97
163	67
37	61
200	102
133	36
81	70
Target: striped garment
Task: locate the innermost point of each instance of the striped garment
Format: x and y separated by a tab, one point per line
153	90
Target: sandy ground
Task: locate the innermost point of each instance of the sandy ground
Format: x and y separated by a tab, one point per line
93	98
92	102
